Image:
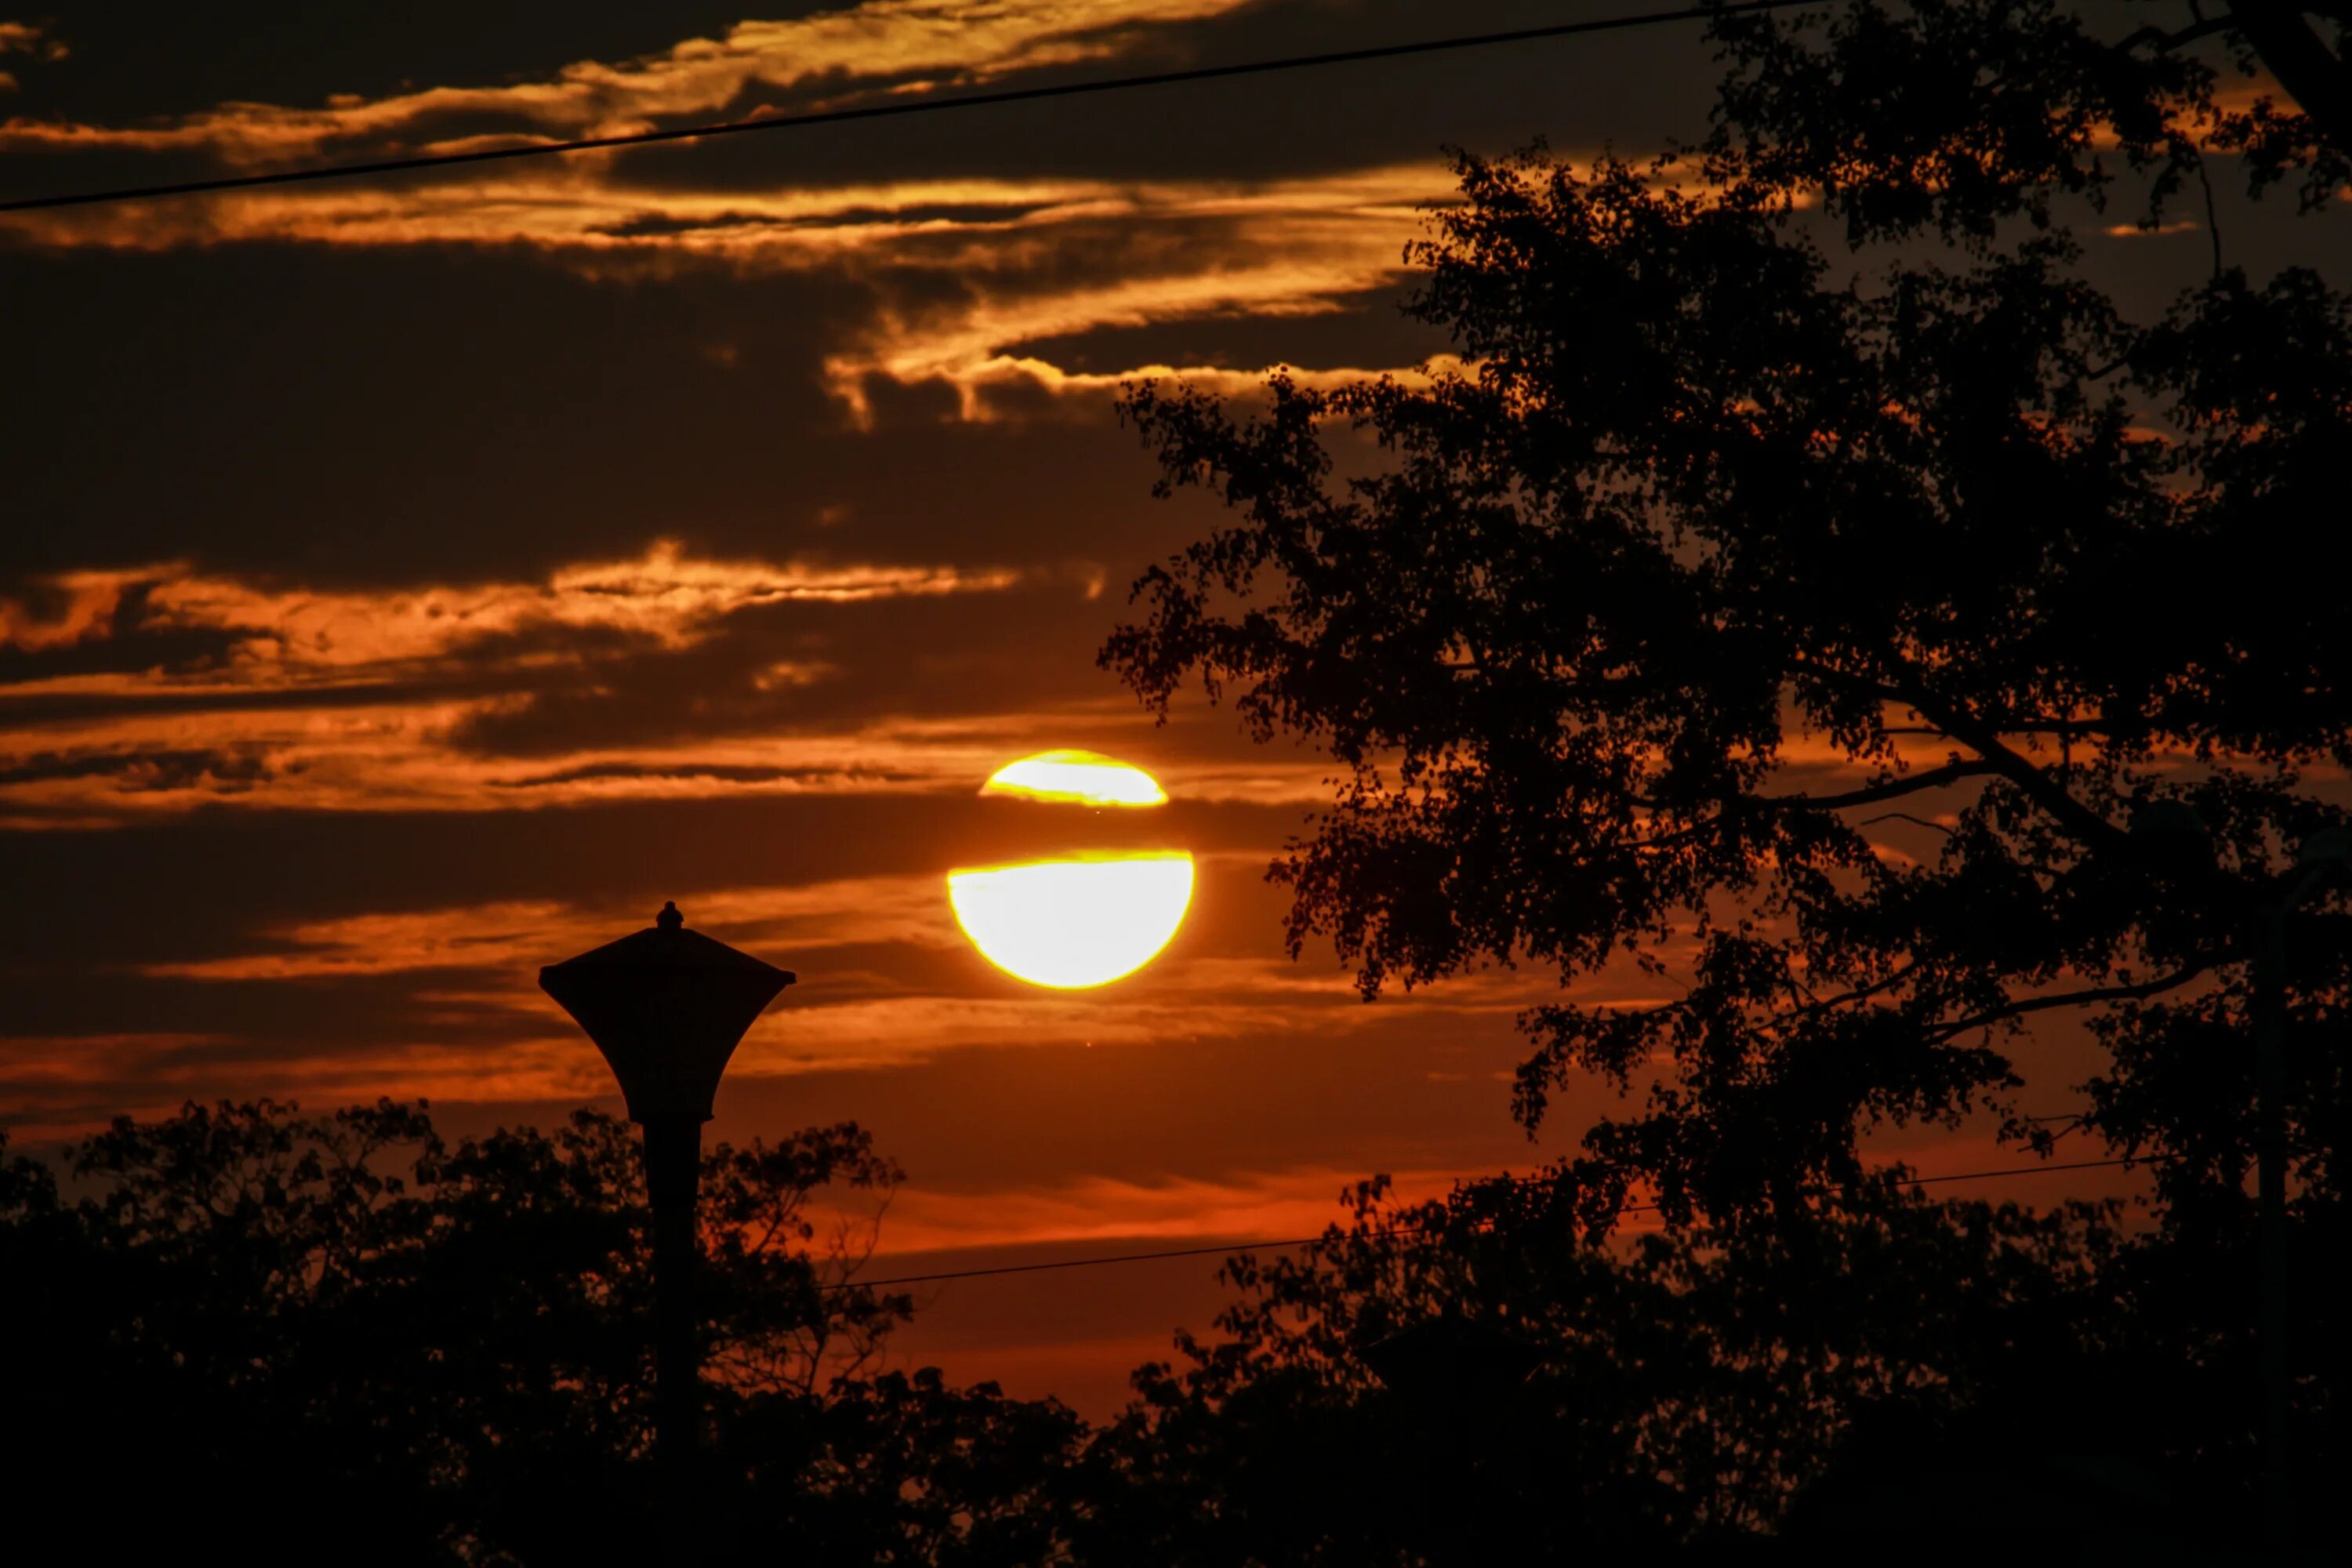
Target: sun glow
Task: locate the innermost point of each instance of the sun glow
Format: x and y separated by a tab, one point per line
1074	920
1073	923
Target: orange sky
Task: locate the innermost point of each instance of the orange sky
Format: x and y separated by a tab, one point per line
411	583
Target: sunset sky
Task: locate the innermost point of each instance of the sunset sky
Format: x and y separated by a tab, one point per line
405	584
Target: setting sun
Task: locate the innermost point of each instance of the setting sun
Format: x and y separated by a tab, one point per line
1075	920
1073	923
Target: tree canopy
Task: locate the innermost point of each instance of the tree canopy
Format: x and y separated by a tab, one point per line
1804	580
346	1332
1812	582
1691	1390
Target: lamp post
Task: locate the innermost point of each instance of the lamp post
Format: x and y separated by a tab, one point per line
667	1006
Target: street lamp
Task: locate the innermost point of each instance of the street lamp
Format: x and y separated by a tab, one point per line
667	1006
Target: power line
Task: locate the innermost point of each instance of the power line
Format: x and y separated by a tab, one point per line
1231	1247
891	110
1096	1262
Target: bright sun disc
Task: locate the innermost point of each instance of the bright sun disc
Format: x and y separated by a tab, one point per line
1075	920
1071	923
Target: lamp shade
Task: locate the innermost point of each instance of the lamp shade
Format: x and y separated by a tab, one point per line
667	1006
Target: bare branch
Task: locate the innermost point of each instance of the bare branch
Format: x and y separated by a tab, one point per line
2303	63
1859	992
1870	795
2087	826
2085	998
1905	816
2204	27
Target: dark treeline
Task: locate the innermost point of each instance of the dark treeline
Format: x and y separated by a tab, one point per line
356	1341
339	1334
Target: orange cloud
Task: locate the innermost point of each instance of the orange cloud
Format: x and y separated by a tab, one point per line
661	597
25	38
140	740
904	45
852	1018
291	636
64	609
1269	248
63	1087
109	767
1287	1202
517	935
1274	249
400	756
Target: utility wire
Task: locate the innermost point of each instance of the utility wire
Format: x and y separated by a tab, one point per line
1232	1247
891	110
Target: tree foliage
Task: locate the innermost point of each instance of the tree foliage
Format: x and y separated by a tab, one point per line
1806	577
1690	1385
353	1331
1812	584
342	1333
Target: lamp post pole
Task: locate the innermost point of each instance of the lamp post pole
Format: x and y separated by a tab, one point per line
673	1177
668	1005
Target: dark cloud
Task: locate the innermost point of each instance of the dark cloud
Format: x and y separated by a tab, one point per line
726	772
333	417
348	417
1632	90
144	769
136	59
948	656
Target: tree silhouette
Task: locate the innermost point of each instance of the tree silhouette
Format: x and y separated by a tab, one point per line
1813	587
345	1330
337	1333
1949	1378
1702	514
